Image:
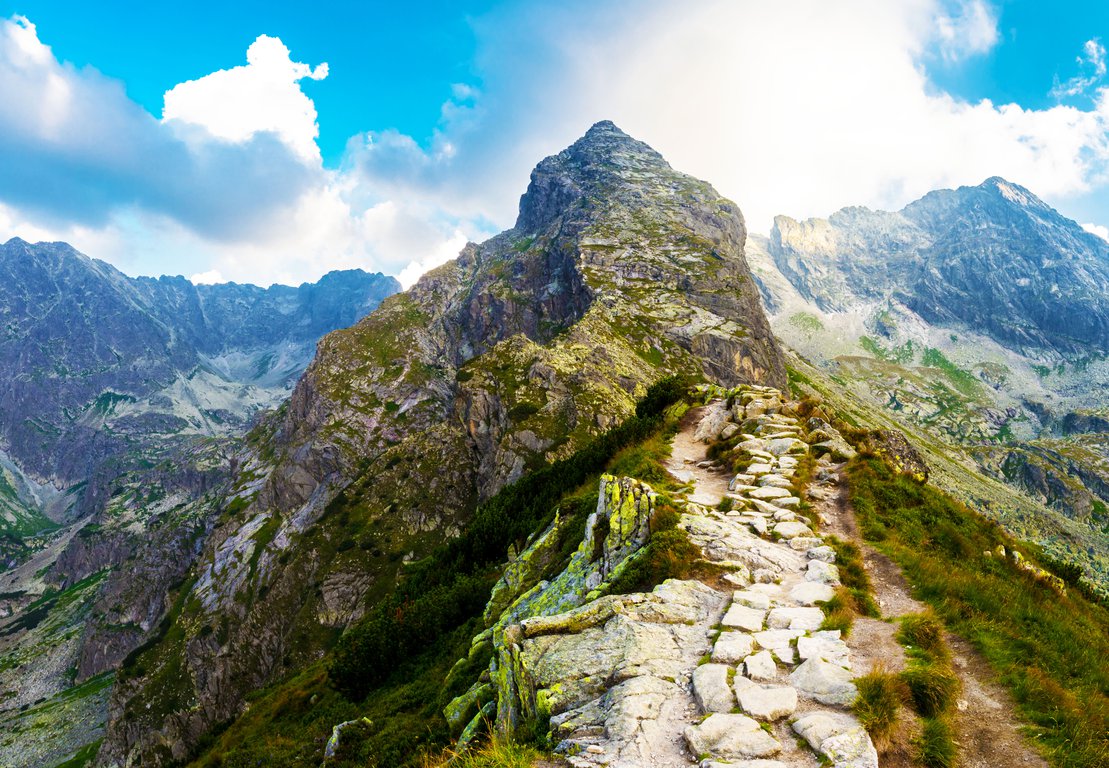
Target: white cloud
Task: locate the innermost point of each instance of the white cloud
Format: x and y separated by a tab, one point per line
797	107
1091	65
211	277
969	30
1097	229
263	95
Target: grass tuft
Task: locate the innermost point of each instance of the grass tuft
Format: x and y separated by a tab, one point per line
878	704
936	746
933	687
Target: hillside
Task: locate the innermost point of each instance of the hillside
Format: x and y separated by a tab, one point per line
975	317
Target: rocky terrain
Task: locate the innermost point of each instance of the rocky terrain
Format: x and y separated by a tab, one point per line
977	314
619	271
122	399
692	673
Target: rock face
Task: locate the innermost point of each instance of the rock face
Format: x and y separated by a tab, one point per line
120	403
618	272
94	363
992	257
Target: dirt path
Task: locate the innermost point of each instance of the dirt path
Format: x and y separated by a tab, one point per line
988	729
689	463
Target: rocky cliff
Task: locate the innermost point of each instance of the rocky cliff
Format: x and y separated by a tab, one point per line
619	271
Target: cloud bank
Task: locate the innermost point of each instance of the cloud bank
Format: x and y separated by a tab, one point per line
795	107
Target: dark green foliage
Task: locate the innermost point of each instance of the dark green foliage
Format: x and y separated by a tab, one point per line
450	586
879	702
936	745
1048	648
669	555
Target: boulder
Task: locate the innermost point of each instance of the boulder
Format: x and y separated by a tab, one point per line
793	529
796	618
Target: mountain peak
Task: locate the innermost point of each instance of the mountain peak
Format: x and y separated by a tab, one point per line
603	159
1014	193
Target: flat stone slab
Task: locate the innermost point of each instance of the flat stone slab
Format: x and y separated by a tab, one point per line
804	543
745	764
832	651
759	468
787	502
760	666
793	529
752	599
730	738
777	638
774	480
742	617
732	647
826	682
839	737
820	571
768	492
796	618
770	704
710	688
811	592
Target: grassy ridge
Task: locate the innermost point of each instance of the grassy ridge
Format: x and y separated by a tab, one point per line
391	666
1049	649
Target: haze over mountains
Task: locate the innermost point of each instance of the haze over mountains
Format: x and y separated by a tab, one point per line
202	556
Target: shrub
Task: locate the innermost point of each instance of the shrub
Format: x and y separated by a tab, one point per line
492	755
879	702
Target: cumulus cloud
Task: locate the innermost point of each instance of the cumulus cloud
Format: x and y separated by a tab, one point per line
1091	65
77	150
968	29
264	95
1097	229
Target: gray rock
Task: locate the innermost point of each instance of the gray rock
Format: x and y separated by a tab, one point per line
771	703
730	737
811	592
732	647
826	682
710	688
822	572
795	618
760	666
742	617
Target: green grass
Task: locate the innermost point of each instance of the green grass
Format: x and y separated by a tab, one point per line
932	686
1048	648
878	705
491	755
964	381
936	746
84	757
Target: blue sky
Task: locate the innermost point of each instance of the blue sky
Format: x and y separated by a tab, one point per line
386	135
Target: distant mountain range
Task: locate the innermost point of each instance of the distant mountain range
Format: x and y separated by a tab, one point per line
95	365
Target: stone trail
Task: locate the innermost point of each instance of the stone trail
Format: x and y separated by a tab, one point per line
736	672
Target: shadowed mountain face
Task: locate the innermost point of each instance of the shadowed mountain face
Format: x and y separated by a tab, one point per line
94	364
620	271
994	258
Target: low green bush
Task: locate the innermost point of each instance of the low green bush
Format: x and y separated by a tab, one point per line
878	704
932	686
936	746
